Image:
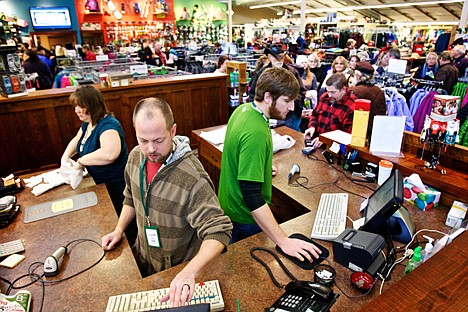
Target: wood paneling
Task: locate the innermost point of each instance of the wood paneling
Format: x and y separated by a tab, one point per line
36	129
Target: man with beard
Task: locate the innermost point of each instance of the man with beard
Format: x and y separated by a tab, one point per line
334	111
245	186
172	198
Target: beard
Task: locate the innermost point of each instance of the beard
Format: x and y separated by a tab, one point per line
275	113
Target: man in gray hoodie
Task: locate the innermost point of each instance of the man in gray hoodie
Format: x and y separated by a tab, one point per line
173	200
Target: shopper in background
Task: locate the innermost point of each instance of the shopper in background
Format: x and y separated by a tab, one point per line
89	55
32	64
364	88
381	65
100	144
43	55
350	46
276	56
218	48
447	72
353	59
146	53
428	70
171	196
221	65
171	54
460	61
339	65
334	111
110	55
245	185
308	79
159	54
315	66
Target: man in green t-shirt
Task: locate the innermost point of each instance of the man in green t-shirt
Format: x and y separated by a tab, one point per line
245	184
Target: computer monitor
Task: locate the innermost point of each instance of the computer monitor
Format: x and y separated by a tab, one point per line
381	205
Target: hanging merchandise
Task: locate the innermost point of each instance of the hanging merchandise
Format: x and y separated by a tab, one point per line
110	4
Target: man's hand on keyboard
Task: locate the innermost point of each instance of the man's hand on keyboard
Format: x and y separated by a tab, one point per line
181	290
300	249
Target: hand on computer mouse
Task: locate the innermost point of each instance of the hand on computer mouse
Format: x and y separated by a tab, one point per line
300	249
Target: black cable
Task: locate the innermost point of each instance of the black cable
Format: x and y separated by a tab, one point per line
39	278
268	269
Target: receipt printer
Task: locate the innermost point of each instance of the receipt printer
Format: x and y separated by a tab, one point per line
357	249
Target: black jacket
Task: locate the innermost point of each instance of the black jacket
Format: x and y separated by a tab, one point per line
45	76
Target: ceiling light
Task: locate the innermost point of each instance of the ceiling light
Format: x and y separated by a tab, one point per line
426	23
376	6
268	5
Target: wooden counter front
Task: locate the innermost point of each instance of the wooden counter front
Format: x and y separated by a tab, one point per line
35	129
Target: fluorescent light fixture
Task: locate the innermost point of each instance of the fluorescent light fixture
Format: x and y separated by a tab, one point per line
269	5
376	6
426	23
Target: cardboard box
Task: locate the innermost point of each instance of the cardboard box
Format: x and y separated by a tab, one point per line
424	200
444	107
120	79
241	69
456	214
360	122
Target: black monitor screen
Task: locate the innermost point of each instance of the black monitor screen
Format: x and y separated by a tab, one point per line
385	201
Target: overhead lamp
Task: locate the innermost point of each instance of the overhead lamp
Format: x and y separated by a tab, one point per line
376	6
426	23
269	5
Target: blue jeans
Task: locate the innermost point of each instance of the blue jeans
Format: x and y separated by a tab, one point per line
241	231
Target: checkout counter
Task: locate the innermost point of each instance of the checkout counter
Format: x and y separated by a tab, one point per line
439	283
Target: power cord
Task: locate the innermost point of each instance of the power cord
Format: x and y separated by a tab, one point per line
270	273
35	277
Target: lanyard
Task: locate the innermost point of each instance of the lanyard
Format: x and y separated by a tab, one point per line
254	106
144	196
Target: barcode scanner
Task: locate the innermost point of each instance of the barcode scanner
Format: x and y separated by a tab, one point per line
52	263
295	169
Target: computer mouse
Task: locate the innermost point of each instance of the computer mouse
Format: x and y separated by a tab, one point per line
309	288
362	280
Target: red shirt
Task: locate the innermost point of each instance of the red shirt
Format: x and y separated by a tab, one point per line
328	116
151	169
90	56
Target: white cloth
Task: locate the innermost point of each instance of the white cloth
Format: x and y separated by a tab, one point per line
71	175
44	182
281	141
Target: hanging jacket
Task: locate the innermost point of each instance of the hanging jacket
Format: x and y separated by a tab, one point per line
416	100
424	109
396	106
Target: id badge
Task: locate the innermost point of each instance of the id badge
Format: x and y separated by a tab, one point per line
152	236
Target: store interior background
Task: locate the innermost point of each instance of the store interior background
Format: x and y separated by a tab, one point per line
432	17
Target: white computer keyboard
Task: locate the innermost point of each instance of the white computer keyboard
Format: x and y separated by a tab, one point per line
330	219
205	292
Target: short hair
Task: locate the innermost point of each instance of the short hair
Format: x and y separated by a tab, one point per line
316	58
222	59
343	60
337	80
278	82
394	53
149	106
25	44
432	54
91	99
446	56
354	56
460	48
350	41
86	46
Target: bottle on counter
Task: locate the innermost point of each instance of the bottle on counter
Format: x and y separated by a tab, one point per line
427	252
415	261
